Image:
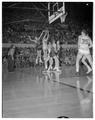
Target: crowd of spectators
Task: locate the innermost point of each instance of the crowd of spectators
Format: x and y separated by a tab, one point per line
18	33
12	35
25	57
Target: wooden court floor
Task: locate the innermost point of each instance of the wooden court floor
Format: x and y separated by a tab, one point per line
30	93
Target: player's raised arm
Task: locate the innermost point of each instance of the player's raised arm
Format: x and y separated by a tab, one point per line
32	40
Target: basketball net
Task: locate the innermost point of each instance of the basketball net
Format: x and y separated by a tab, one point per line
63	17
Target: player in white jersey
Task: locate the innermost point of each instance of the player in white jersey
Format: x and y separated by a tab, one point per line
50	58
56	57
84	43
47	56
44	42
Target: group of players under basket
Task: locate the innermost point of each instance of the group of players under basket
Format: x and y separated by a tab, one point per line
50	55
51	52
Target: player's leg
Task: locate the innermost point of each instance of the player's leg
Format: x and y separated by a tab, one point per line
37	59
40	60
44	55
45	60
85	63
56	63
50	63
79	56
89	58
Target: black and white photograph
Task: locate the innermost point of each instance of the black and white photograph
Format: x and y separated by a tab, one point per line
47	59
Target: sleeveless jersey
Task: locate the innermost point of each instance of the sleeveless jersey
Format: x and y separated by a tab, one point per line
44	44
52	53
84	44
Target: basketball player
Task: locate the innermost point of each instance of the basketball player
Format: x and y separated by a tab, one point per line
54	45
55	57
36	40
38	58
44	42
58	49
47	55
58	46
50	57
84	43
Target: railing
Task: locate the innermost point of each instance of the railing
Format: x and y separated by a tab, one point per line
7	45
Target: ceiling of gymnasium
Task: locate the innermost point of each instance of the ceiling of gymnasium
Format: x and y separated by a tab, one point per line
25	11
19	12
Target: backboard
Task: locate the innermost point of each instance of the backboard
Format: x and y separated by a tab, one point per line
56	10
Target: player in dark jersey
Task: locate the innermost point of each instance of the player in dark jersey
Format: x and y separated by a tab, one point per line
53	54
39	51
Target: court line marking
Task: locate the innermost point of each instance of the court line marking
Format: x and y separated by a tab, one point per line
70	85
73	86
